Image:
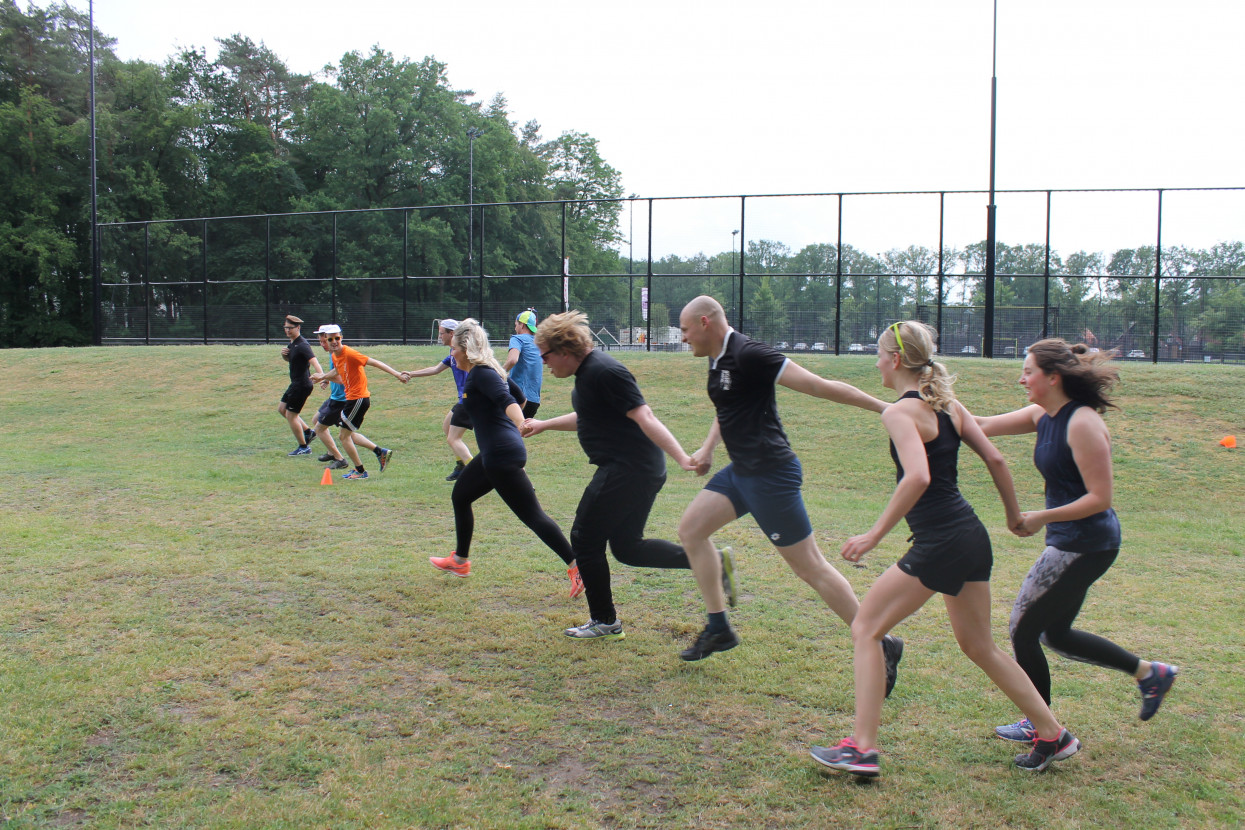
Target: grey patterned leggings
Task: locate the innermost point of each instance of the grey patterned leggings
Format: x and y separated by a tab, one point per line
1049	600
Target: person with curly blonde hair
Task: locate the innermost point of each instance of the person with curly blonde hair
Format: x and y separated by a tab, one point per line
950	552
1068	390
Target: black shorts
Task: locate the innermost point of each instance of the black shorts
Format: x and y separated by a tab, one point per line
352	414
295	396
459	417
946	557
529	409
330	412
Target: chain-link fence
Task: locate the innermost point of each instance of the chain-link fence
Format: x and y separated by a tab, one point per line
387	276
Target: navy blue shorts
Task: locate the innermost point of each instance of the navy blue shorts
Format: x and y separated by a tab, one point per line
773	498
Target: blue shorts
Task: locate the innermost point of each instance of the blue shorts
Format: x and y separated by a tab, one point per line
773	498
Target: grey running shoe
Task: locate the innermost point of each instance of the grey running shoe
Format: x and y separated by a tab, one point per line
1022	732
383	455
847	757
338	463
325	456
300	451
1155	687
596	630
728	575
707	642
892	650
1043	752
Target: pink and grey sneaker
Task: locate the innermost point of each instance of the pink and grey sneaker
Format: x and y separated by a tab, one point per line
1155	687
847	757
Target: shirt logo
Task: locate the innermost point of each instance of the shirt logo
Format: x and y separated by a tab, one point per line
774	537
725	380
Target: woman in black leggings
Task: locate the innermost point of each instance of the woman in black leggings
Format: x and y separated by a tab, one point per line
497	416
1067	388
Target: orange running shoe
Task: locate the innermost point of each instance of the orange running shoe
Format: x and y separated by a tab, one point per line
577	583
447	564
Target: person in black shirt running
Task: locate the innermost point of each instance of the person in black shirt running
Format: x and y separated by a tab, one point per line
950	554
764	476
624	439
490	399
299	355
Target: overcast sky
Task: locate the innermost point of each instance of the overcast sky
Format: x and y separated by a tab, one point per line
729	97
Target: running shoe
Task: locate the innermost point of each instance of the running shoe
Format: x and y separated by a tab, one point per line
338	463
383	455
1022	732
847	757
308	436
325	456
300	451
892	650
593	630
707	642
577	582
353	474
456	472
1155	687
447	564
728	575
1043	752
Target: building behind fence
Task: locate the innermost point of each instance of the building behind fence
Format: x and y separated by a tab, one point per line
233	279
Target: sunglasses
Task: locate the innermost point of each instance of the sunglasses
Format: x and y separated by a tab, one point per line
332	339
544	356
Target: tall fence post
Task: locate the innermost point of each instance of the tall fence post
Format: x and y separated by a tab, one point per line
333	274
838	281
1158	279
406	244
203	248
942	244
267	278
147	282
647	308
743	236
1046	275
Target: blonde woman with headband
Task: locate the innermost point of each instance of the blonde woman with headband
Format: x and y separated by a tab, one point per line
950	553
494	404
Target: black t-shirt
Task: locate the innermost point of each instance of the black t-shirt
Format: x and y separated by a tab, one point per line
485	397
605	391
300	359
741	386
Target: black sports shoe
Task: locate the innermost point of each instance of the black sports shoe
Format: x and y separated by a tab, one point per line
707	642
324	457
892	650
456	472
308	436
338	463
1043	752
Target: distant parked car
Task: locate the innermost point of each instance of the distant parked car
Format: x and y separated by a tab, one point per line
801	347
969	350
855	347
782	344
1138	353
819	347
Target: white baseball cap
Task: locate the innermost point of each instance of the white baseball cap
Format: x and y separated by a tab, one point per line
329	328
449	325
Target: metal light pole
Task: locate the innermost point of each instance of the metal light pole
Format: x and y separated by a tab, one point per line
472	134
987	346
97	317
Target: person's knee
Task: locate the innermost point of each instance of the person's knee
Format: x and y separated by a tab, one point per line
866	629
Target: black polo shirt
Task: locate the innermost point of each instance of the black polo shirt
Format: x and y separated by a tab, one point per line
741	386
605	391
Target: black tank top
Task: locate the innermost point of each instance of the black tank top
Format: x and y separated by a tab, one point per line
941	502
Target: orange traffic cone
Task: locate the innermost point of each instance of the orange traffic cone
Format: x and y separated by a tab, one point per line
1229	442
327	478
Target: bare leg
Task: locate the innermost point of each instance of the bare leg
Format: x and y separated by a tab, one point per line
454	437
970	619
347	438
327	437
806	560
708	513
294	420
894	597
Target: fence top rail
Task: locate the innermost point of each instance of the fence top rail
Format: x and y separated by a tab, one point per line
409	208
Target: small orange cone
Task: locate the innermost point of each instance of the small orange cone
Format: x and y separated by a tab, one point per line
327	478
1229	442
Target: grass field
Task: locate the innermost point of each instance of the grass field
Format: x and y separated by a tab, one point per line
195	633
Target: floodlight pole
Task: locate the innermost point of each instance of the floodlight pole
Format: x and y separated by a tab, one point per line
987	345
97	318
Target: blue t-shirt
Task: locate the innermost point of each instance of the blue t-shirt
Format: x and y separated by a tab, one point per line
337	391
460	377
527	372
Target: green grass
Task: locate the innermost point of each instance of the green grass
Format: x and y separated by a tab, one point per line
195	633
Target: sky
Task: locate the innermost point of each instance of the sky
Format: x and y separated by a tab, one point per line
726	98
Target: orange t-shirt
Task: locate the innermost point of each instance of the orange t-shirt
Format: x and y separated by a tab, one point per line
349	364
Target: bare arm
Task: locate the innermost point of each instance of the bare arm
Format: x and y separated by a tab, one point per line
703	457
903	431
512	357
972	435
1091	450
423	373
384	367
534	426
661	436
330	376
515	413
1023	420
796	377
316	363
